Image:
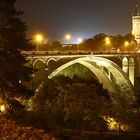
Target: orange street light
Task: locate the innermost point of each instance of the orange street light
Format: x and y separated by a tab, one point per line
107	42
38	39
68	37
126	44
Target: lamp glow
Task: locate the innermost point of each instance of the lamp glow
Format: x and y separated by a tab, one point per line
38	39
107	43
126	43
107	40
2	108
80	40
68	37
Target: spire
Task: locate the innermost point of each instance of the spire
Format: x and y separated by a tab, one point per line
137	11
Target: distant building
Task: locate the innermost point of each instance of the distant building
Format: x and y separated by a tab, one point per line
136	24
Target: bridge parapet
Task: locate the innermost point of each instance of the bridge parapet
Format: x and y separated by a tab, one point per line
33	53
132	69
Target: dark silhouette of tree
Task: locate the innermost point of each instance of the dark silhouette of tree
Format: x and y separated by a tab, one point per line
89	43
12	41
132	42
129	37
56	45
117	42
97	43
99	40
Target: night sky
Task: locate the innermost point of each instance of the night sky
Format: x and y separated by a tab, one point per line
81	18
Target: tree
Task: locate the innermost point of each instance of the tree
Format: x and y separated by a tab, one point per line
57	46
89	44
12	41
99	40
73	103
96	43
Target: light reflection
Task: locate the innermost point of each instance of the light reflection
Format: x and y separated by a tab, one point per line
2	108
113	125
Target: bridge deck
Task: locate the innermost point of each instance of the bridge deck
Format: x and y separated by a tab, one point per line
32	53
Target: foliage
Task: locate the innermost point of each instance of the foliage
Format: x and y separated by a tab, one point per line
10	130
116	42
12	41
73	103
56	45
97	43
83	104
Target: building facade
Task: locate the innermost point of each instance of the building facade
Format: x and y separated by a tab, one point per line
136	24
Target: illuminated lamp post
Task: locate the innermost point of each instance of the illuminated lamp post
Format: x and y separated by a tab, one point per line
68	37
107	42
79	41
126	44
38	39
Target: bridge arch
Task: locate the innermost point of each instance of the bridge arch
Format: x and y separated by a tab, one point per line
121	79
38	61
92	67
49	60
121	82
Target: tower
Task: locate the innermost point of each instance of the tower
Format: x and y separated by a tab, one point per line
136	24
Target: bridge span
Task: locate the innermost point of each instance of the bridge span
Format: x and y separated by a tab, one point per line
121	69
126	53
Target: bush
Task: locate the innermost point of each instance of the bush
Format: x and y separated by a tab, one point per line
10	130
75	104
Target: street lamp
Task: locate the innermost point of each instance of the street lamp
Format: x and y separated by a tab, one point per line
38	39
126	44
68	37
79	41
107	42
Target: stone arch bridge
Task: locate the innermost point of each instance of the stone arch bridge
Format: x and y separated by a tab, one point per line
114	70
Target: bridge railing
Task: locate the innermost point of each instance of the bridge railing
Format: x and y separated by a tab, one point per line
76	52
